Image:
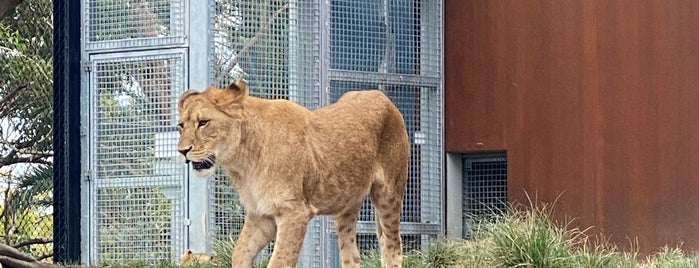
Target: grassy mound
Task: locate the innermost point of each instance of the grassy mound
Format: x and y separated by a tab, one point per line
528	237
525	236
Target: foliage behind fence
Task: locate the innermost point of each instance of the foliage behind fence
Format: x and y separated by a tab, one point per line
26	133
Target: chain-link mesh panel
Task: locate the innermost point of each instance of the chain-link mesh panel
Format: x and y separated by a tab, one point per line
369	243
422	202
274	45
138	196
484	187
407	101
113	24
395	37
227	214
394	45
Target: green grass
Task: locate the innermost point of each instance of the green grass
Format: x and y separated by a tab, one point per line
528	237
522	237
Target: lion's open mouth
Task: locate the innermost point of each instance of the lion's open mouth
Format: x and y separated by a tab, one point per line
206	164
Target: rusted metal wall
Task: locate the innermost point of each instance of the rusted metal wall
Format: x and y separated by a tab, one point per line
595	99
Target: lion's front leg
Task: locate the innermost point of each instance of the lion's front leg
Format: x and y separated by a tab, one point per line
257	232
291	229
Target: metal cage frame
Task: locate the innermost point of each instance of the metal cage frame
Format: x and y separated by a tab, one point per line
307	68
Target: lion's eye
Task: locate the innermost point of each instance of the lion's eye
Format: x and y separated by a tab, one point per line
180	126
203	123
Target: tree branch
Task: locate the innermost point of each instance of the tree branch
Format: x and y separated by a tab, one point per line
35	159
45	256
19	146
11	257
33	241
249	43
15	263
11	252
6	102
5	213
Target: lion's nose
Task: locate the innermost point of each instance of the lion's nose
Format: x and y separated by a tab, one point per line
185	151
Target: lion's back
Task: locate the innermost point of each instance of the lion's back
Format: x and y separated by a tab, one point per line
350	142
352	127
360	113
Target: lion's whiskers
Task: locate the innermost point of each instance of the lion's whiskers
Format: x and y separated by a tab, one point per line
209	159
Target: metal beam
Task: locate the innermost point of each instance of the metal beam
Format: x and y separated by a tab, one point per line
67	147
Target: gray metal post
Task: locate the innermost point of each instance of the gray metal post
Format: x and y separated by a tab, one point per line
454	196
198	199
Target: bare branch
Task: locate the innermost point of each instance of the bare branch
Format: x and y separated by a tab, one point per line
33	241
6	102
21	146
261	33
5	213
11	252
15	263
11	257
45	256
35	159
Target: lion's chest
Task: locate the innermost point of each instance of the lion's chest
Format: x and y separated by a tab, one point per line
255	199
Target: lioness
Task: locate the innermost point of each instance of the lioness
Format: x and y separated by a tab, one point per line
290	164
189	257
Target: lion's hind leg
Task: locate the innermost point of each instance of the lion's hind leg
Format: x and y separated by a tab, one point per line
388	204
346	229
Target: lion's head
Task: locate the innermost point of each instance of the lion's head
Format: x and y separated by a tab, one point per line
209	122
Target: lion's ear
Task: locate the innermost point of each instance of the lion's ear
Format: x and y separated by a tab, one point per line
240	86
234	93
186	95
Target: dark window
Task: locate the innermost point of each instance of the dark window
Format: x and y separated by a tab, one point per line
485	187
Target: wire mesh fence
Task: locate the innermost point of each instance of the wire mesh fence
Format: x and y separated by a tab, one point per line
392	45
484	187
136	67
273	45
307	51
26	120
113	24
395	46
137	209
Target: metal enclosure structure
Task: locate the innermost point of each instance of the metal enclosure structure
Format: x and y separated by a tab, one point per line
141	203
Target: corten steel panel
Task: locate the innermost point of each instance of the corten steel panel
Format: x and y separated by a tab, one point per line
595	99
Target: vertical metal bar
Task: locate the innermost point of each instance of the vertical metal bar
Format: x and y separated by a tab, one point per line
66	142
431	116
441	89
430	178
86	194
324	97
85	183
91	240
454	198
324	11
295	59
198	192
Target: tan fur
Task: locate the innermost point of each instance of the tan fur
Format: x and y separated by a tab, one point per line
189	257
290	164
